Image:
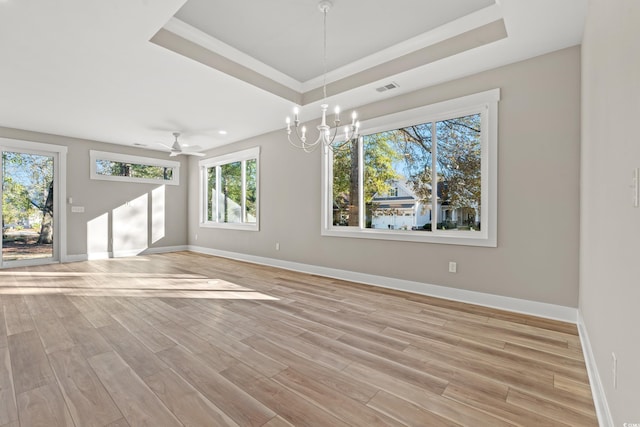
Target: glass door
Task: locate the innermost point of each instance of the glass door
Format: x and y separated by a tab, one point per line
28	207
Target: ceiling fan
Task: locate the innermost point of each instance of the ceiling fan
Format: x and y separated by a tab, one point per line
176	148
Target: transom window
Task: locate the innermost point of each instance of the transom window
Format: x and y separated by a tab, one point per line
123	167
229	190
427	174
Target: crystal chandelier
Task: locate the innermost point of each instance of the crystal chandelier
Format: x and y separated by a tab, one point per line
325	135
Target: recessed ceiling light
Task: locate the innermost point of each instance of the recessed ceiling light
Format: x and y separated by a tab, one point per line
222	132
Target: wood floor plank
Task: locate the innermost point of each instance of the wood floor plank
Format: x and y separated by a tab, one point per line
30	365
139	405
239	350
241	406
351	411
3	327
44	406
92	312
119	423
84	335
17	316
87	400
406	412
190	339
289	405
8	408
278	422
497	406
148	335
188	405
349	387
410	374
437	404
53	335
559	412
142	360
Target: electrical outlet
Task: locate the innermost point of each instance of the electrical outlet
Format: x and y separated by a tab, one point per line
453	267
196	236
277	246
614	370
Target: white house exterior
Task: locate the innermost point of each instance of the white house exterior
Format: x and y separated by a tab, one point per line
401	209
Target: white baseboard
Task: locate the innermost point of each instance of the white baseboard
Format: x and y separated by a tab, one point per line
164	249
597	390
75	258
534	308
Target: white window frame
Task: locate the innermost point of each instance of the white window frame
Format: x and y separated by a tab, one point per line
484	103
95	155
238	156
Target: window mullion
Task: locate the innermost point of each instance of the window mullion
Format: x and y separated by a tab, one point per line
434	179
361	206
243	192
218	184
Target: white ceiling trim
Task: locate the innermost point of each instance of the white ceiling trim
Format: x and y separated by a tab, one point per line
459	26
194	35
444	32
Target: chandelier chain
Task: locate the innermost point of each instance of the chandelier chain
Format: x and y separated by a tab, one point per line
326	137
324	49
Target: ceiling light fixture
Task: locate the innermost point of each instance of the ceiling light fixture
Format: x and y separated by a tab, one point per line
324	130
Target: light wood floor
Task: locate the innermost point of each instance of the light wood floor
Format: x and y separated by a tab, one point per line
187	339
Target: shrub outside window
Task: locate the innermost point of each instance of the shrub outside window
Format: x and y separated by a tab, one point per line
425	175
229	190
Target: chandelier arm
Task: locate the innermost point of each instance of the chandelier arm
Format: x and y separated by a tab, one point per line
301	141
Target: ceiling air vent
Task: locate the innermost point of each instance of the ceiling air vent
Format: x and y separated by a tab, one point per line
392	85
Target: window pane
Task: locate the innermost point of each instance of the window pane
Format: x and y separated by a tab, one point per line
251	178
134	170
230	198
345	185
398	179
211	198
459	172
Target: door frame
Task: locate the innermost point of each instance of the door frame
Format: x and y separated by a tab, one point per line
59	153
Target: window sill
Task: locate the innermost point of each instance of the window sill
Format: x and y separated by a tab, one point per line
231	226
464	238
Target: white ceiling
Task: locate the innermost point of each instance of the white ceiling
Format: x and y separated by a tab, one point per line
87	68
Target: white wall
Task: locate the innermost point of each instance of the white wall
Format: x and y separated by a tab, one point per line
610	225
136	216
538	185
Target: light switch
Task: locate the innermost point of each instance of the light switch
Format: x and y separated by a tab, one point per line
77	209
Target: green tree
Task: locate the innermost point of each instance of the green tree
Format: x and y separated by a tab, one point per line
135	170
29	177
379	158
231	187
16	205
458	159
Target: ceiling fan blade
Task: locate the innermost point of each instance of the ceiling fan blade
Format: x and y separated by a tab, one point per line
193	153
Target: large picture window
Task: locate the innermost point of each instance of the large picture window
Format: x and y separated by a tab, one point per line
229	190
427	174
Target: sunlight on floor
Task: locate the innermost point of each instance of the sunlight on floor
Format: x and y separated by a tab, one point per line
143	285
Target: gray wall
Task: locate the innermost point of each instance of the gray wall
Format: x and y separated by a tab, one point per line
538	205
103	197
610	227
